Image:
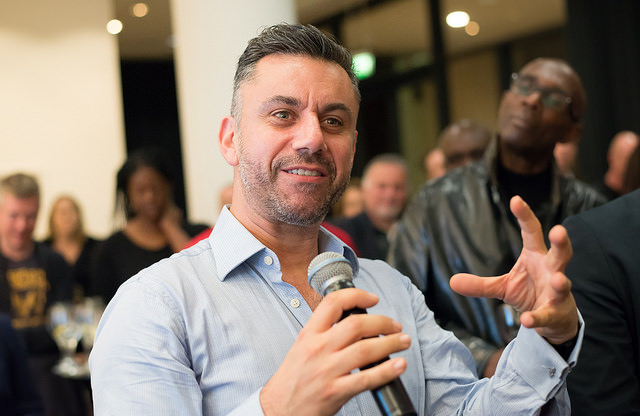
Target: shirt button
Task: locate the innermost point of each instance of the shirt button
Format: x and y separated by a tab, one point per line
552	372
294	303
268	261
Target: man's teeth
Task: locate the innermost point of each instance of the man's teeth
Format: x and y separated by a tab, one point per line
303	172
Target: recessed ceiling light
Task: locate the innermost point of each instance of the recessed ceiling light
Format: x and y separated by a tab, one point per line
472	28
458	19
114	26
140	9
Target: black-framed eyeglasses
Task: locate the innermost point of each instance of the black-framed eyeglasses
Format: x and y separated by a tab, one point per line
551	98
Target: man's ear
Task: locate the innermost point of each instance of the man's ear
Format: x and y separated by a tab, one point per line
227	140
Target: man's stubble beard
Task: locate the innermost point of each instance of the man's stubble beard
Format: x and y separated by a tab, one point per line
260	190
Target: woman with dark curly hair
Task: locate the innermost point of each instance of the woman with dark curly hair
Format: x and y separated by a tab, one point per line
154	227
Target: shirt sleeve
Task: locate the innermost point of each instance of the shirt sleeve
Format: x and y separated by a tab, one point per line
140	362
530	373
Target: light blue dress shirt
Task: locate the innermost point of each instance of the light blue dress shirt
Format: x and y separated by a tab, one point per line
200	333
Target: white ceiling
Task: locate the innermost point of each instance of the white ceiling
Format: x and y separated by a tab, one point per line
396	27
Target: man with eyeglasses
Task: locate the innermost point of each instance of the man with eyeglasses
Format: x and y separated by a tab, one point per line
461	223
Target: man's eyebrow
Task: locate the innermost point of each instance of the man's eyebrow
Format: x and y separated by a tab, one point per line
337	106
294	102
280	99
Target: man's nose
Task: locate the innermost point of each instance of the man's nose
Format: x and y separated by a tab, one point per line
309	136
21	223
534	99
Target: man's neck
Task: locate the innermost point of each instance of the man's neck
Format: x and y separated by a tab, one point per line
381	224
17	254
294	245
525	162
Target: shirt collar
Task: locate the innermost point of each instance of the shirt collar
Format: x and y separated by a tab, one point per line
232	244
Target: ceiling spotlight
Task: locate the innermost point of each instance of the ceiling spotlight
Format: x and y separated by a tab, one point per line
472	28
114	26
140	9
458	19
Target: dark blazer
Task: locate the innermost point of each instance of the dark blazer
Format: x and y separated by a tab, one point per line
605	273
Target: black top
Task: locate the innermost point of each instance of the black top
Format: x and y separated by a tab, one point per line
605	276
119	258
28	288
82	271
372	243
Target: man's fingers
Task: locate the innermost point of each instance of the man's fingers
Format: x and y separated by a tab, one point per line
368	379
372	350
470	285
334	304
531	230
359	326
560	252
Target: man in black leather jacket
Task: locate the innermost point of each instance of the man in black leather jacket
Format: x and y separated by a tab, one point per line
460	223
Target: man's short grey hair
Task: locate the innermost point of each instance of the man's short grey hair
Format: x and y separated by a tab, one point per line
288	39
19	185
387	158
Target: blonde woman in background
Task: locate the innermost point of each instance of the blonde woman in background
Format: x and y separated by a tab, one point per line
68	238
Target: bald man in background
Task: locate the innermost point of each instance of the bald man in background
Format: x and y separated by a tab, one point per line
620	149
463	142
461	223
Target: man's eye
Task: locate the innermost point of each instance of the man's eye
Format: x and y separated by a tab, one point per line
333	122
283	115
525	89
553	101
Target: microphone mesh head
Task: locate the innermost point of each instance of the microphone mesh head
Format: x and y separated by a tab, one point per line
327	265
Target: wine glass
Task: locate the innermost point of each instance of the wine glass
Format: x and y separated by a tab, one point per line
88	316
66	332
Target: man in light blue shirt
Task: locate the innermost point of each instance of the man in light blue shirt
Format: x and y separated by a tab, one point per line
232	326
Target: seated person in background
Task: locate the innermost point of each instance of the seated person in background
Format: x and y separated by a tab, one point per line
231	326
632	175
154	228
621	147
18	393
565	156
605	277
350	203
68	238
385	188
463	142
32	278
461	223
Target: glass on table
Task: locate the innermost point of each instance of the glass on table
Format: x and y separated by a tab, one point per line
66	332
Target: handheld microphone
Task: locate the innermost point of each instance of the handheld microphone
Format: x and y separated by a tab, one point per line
329	272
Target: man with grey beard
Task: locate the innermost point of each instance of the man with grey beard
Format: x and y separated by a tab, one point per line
385	188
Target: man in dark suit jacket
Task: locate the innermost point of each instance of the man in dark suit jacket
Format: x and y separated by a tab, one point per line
605	274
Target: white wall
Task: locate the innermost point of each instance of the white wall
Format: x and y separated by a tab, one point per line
61	106
209	38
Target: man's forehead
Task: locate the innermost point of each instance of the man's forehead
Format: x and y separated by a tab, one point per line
10	197
550	73
285	65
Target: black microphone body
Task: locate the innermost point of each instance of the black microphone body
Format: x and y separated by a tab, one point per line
329	272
